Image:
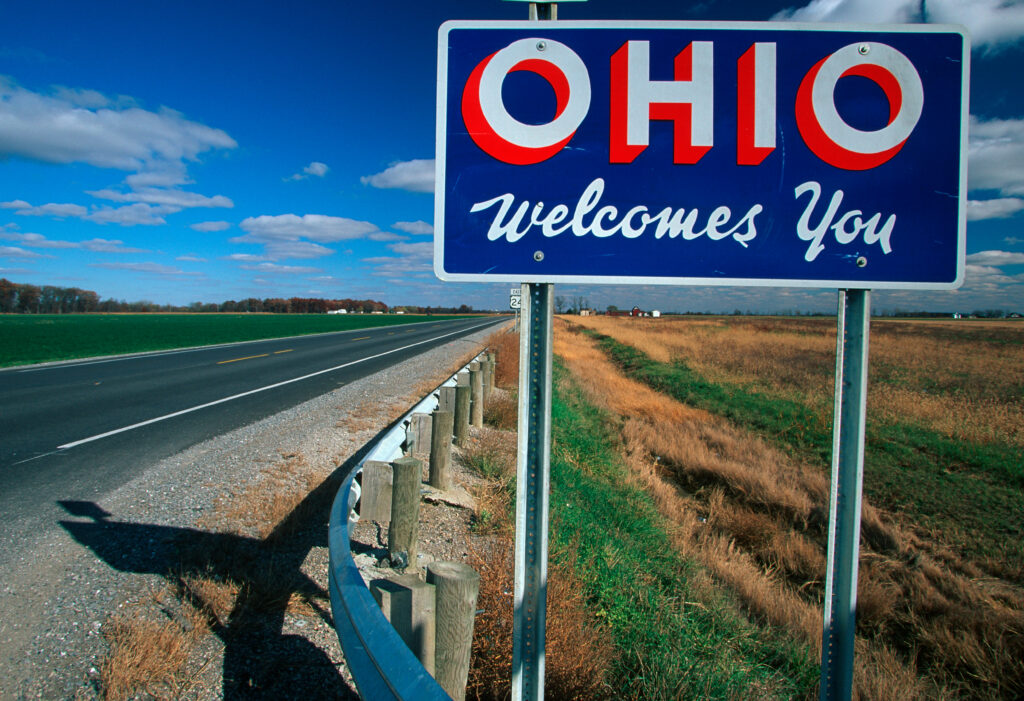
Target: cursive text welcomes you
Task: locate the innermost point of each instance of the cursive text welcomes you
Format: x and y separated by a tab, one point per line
513	221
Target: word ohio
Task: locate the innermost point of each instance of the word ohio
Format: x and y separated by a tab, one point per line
772	154
688	100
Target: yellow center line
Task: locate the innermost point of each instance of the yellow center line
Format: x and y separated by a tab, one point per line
248	357
283	351
361	338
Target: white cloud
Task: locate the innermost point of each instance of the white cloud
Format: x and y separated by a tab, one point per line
290	227
151	268
1012	240
853	11
95	245
35	240
386	236
416	176
78	97
418	250
413	260
278	250
71	126
208	226
52	209
981	270
164	175
15	252
1000	208
131	215
160	196
417	228
280	269
996	155
991	23
315	168
246	257
996	258
108	246
190	259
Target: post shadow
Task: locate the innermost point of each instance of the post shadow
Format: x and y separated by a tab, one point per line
260	660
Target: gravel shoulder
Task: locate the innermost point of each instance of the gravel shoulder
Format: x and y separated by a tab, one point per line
134	555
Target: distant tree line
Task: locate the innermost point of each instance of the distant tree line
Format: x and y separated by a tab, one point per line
17	298
412	309
32	299
292	305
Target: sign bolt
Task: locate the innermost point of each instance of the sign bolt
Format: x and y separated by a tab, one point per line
541	45
862	262
864	49
538	256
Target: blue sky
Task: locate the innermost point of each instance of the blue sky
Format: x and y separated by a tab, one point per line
184	151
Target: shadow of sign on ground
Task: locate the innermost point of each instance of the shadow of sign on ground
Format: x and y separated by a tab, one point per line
260	659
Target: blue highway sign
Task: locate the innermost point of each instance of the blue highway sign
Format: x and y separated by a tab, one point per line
701	153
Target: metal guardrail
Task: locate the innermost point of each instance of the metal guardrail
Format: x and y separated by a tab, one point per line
381	664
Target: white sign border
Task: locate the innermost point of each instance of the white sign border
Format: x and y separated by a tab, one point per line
441	152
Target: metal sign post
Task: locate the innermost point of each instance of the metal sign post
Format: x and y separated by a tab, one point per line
845	500
532	486
533	477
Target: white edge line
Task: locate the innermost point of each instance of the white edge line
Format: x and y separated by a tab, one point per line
97	437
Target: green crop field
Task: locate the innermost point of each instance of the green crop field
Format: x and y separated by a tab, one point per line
26	339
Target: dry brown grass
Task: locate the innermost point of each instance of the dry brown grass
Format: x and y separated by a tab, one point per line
501	411
493	456
578	653
148	656
963	380
928	625
259	509
215	596
505	346
221	583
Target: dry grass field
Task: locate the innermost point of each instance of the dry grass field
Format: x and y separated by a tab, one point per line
941	595
963	378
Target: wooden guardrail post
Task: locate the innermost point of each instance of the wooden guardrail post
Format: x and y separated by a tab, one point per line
494	368
446	399
476	406
441	450
418	441
486	368
456	588
462	413
405	512
375	499
408	603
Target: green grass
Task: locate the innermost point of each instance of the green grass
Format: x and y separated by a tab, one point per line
971	493
674	640
40	338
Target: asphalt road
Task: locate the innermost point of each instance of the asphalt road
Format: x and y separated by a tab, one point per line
82	429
